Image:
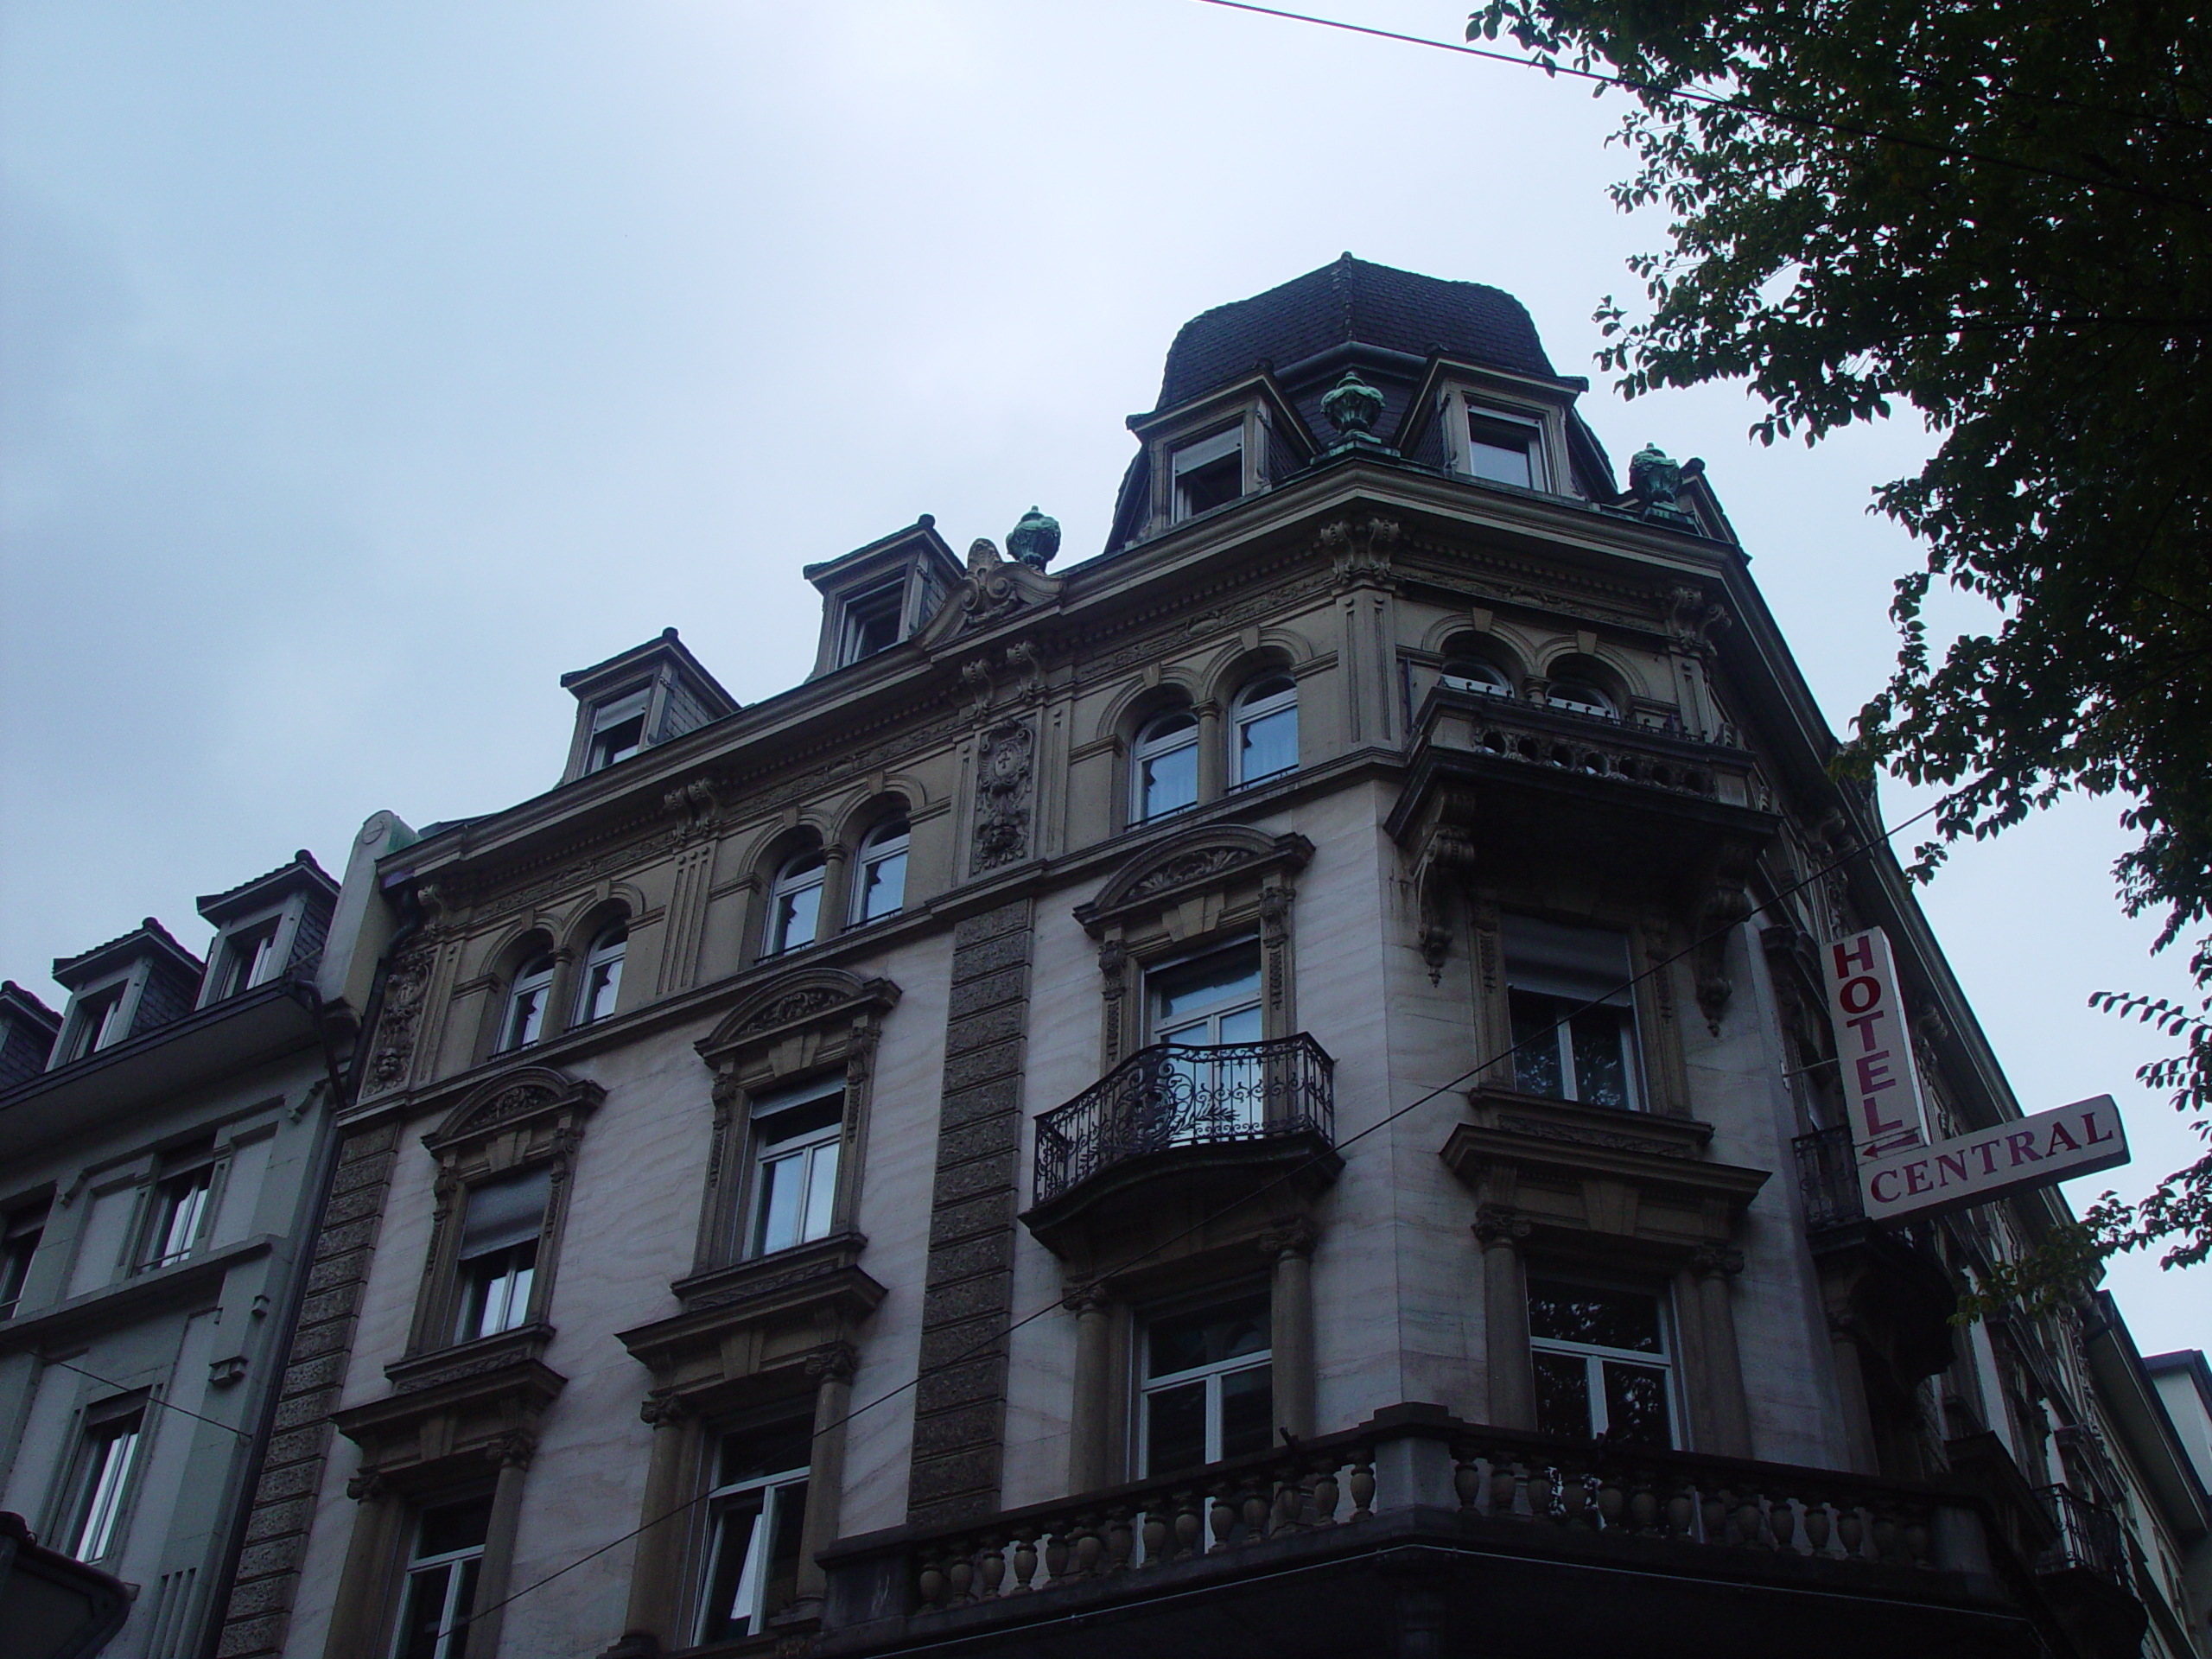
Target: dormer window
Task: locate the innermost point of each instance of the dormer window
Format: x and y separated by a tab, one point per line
618	729
1505	448
871	623
249	958
93	1025
1208	474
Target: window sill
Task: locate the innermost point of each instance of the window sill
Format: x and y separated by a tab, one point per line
478	1355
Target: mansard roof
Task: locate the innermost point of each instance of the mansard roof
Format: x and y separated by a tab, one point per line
1351	303
148	938
266	889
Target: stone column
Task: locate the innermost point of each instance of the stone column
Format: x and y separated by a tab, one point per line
1851	1386
1730	1412
657	1568
1213	751
511	1452
1090	1422
832	1370
1290	1304
1505	1317
357	1612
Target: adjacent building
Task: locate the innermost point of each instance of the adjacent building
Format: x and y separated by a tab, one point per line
163	1150
1266	1093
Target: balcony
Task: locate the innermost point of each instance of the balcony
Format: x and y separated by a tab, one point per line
1827	1179
1490	1540
1205	1129
2084	1573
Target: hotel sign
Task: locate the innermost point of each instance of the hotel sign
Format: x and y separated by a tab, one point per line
1873	1046
2039	1151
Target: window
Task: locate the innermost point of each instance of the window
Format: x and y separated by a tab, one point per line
1581	697
1203	1004
871	622
1472	674
1209	474
440	1590
1601	1364
1265	736
1505	448
180	1208
526	1020
498	1253
881	889
1207	1391
756	1513
795	904
95	1024
249	958
109	1449
602	976
795	1137
618	729
1574	1016
1167	757
24	1227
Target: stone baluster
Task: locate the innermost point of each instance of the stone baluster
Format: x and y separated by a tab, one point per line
1363	1486
1025	1560
991	1566
1222	1518
1120	1539
1325	1492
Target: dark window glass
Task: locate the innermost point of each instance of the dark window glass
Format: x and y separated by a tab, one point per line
1210	484
1247	1411
871	622
25	1228
1176	1432
1636	1404
1183	1342
1562	1395
1604	1318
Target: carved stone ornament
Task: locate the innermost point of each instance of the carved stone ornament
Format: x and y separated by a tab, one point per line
1359	547
1197	858
404	985
1004	759
1727	906
1297	1237
1496	1225
809	993
1447	864
526	1093
836	1361
662	1410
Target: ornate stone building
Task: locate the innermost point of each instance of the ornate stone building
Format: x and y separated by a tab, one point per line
1267	1092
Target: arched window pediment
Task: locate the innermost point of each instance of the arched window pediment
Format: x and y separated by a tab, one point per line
1204	858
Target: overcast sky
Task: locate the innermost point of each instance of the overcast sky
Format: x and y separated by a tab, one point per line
363	368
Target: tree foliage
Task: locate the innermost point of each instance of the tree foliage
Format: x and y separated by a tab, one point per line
1998	212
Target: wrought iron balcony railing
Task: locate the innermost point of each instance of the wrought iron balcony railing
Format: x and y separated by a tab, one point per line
1827	1176
2090	1536
1171	1095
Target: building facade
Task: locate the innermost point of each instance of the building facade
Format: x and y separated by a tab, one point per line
1267	1092
163	1154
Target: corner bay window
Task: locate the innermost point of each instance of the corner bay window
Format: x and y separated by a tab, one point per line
106	1457
795	904
441	1575
756	1510
497	1256
1166	759
524	1022
1601	1362
1208	474
1207	1386
1574	1015
795	1138
1265	730
881	889
602	976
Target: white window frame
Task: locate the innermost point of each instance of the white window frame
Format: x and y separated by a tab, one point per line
1463	407
488	1301
862	605
1577	995
24	1232
107	1456
1250	709
751	1589
96	1021
452	1615
1151	745
610	716
1213	1374
1453	675
1596	1356
794	876
599	986
1195	455
177	1214
522	1022
889	840
817	1154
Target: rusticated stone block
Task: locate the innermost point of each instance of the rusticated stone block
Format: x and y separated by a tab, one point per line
298	1445
956	1430
261	1596
970	1298
953	1263
311	1406
984	1100
362	1172
278	1556
990	924
352	1206
1005	985
999	1024
333	1271
968	1180
276	1520
341	1240
324	1372
335	1304
966	1071
992	1212
328	1337
249	1636
940	1477
993	956
294	1480
362	1143
993	1138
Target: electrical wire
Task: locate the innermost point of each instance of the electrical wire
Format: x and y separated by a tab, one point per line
988	1348
1685	95
151	1399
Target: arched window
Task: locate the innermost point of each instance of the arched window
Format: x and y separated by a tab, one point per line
1263	738
1579	697
525	1017
1167	761
602	976
880	889
795	904
1472	674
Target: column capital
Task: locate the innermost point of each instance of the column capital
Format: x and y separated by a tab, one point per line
834	1361
662	1411
512	1449
1717	1261
1498	1225
369	1483
1296	1238
1080	1299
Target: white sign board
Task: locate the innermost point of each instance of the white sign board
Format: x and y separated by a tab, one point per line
2050	1147
1873	1046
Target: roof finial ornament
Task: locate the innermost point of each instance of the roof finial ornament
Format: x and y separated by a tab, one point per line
1352	407
1034	540
1655	482
982	555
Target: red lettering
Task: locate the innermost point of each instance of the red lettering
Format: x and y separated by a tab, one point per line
1846	992
1915	1176
1881	1197
2058	1135
2023	1149
1874	1073
1864	1024
1988	1151
1875	1123
1860	951
1949	1164
2089	1128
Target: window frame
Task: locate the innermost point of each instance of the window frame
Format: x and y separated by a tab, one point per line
864	607
719	1499
1466	406
1151	744
462	1588
520	1029
806	1145
1617	1004
805	871
610	947
22	1230
1668	1361
1211	1374
608	715
519	1275
891	838
89	1497
184	1191
93	1013
1199	455
1248	709
1598	703
1452	676
249	957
